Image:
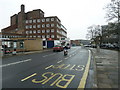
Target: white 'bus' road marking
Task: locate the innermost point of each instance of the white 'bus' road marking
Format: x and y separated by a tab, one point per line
49	54
15	63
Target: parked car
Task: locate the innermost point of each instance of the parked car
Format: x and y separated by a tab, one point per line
58	48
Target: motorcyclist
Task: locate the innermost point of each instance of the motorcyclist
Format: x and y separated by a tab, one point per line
65	50
65	47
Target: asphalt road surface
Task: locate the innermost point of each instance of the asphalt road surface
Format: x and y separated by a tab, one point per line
48	70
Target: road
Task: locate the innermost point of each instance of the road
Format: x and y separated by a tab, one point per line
48	70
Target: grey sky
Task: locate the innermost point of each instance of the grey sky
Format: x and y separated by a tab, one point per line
75	15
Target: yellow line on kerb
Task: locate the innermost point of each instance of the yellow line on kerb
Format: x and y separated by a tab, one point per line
29	77
85	74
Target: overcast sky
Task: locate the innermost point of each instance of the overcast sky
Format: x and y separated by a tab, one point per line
75	15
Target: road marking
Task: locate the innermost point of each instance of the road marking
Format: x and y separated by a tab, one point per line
29	77
85	74
15	63
49	55
65	79
66	57
70	55
60	61
49	67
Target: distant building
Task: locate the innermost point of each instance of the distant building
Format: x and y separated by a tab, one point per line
110	33
33	24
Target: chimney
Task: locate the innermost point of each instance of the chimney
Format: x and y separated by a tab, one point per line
22	8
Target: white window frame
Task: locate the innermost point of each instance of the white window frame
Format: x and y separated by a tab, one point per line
30	32
47	25
26	21
26	26
43	31
43	25
52	19
30	26
48	36
34	20
43	36
48	31
47	19
52	36
52	25
34	26
38	31
52	30
30	21
38	26
43	20
34	31
38	20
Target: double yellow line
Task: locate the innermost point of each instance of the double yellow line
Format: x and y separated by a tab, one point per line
85	74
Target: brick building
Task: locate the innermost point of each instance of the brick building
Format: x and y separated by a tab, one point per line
33	24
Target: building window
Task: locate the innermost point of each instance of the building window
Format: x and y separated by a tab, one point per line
27	27
26	21
52	25
39	36
30	21
52	36
34	31
34	26
27	32
52	30
52	19
30	26
43	31
48	36
58	36
43	20
34	21
38	26
43	25
38	31
31	36
48	31
47	25
47	20
43	36
38	20
30	31
34	36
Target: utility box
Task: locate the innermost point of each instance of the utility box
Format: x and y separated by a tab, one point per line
33	44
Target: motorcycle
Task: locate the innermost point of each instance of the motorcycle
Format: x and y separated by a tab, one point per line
65	52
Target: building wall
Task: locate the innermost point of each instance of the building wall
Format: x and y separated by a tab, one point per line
14	19
27	25
33	45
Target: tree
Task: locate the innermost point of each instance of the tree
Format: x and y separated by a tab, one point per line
113	10
95	34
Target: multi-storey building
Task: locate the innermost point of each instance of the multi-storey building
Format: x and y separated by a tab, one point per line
33	24
110	33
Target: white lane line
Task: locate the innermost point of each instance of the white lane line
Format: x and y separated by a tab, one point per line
66	57
70	56
59	61
49	55
15	63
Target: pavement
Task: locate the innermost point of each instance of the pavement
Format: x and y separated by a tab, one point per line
106	64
